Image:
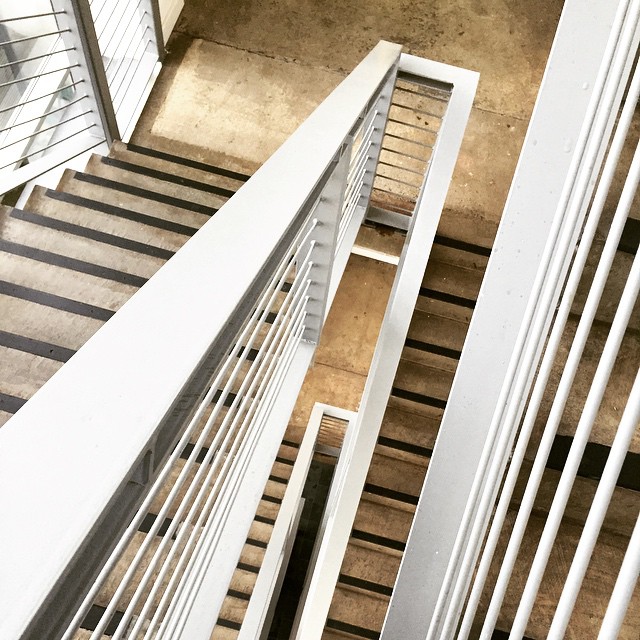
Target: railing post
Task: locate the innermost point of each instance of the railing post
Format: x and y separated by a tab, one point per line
377	118
327	212
155	22
81	38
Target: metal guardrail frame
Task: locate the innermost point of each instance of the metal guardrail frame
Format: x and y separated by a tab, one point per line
357	452
107	409
430	565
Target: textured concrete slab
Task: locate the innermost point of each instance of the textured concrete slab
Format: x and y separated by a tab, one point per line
236	104
506	41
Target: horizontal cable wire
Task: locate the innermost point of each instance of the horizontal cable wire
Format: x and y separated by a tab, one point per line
430	96
45	95
401	168
49	128
35	15
397	137
38	75
44	115
202	557
404	182
413	126
32	58
416	110
108	50
404	154
120	92
51	144
36	37
580	439
131	26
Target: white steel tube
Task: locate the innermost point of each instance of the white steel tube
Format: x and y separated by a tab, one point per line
261	313
202	515
183	595
597	513
548	359
581	436
209	465
623	590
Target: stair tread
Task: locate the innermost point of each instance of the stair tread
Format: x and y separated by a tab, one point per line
79	248
179	166
394	474
409	428
45	324
109	193
145	227
22	374
233	609
39	276
437	330
99	166
423	380
453	279
371	564
378	519
358	608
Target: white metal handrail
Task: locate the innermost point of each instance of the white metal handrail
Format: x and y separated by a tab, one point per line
119	420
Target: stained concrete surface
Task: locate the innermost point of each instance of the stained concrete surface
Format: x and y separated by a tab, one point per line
274	61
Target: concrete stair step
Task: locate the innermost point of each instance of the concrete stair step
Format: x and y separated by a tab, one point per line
141	232
411	431
422	385
22	373
224	633
442	334
371	563
593	596
4	416
382	522
43	330
162	183
37	277
233	608
357	611
182	167
81	248
453	280
394	475
114	192
450	250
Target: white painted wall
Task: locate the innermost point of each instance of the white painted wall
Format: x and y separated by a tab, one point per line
169	12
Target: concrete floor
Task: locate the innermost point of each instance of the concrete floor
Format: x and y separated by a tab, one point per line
273	62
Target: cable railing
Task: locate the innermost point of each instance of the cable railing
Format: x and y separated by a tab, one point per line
179	461
520	530
59	95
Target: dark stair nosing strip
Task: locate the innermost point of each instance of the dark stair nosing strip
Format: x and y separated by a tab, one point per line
35	347
252	542
119	212
273	499
392	494
92	234
432	348
469	247
229	624
188	449
264	519
361	632
146	194
244	566
381	541
282	460
630	238
72	264
366	585
447	297
278	480
147	523
9	403
504	635
187	162
228	400
54	301
290	443
594	459
401	445
166	177
94	615
420	398
239	595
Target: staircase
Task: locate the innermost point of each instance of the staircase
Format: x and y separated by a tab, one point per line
76	254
